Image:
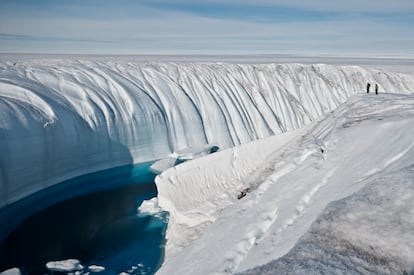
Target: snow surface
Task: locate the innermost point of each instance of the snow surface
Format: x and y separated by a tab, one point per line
61	118
359	158
369	232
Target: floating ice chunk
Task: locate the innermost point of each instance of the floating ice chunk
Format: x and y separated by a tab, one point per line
69	265
150	206
11	271
96	268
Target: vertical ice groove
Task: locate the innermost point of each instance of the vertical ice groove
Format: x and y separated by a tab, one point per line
259	111
215	114
225	110
196	107
237	101
110	113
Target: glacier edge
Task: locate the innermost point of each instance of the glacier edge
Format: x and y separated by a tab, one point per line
64	118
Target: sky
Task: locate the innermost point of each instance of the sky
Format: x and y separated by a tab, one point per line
190	27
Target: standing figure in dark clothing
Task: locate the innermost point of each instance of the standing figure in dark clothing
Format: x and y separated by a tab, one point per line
376	88
368	86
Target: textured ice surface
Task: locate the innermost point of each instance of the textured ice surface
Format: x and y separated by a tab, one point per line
369	232
61	118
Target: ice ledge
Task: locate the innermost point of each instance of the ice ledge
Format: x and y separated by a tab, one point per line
181	156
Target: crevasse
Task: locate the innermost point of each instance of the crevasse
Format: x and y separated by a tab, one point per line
64	118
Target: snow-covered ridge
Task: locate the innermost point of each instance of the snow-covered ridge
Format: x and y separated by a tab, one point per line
291	178
64	118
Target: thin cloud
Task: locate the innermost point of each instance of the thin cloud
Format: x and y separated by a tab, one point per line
6	36
314	5
140	27
248	12
288	11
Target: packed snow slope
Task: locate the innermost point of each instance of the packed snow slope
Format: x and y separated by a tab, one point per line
253	205
61	118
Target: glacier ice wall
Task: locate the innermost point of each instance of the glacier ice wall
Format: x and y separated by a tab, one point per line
64	118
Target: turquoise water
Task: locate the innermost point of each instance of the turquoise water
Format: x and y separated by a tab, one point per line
92	218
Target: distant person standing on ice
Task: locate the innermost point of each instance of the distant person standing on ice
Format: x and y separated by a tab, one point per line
376	88
368	86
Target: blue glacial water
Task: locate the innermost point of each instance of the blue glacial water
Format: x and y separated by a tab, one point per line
92	218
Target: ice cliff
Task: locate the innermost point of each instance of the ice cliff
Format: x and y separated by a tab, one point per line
359	159
63	118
